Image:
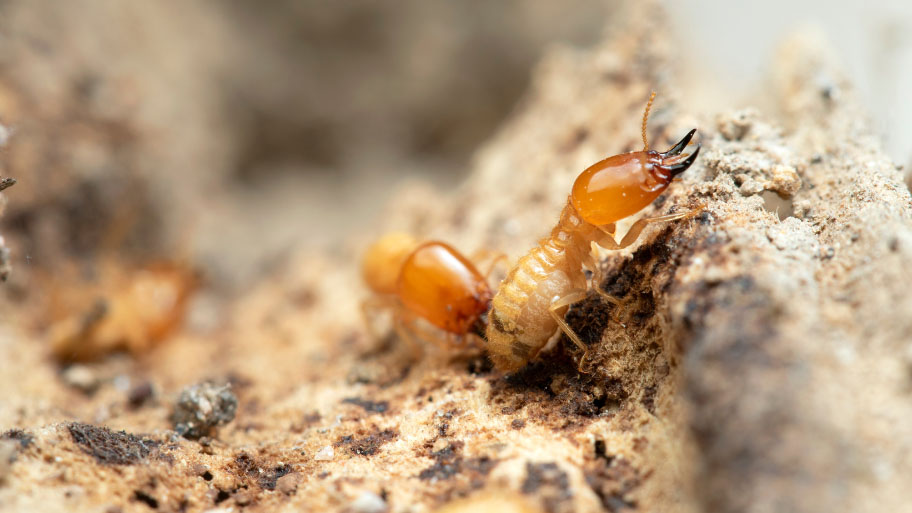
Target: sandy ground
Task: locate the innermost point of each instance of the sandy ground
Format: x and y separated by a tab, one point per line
764	364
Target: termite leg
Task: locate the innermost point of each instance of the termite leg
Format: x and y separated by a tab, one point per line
596	281
634	232
369	309
501	257
557	304
494	256
405	330
618	304
474	341
408	329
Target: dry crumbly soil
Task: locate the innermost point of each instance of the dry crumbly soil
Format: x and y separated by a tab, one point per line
765	363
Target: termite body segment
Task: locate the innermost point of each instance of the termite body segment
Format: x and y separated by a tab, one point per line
430	281
530	305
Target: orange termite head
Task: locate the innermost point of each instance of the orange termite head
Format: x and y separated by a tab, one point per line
622	185
383	260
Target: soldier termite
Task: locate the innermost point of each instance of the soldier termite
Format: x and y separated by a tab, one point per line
531	302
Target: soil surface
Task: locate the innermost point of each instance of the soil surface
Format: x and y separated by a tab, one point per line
763	359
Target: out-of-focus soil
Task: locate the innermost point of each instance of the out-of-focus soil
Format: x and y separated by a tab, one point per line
764	363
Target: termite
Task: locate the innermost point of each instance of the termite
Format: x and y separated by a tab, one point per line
136	309
530	305
429	281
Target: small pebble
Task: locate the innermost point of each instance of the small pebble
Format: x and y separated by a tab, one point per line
440	444
207	445
199	469
140	394
202	407
81	378
243	498
288	483
736	125
121	382
368	502
325	454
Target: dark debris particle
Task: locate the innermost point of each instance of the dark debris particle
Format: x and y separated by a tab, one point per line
601	451
25	439
582	396
440	470
538	375
544	474
369	406
590	318
612	480
550	483
449	462
165	457
140	395
111	447
307	420
367	445
221	496
262	473
518	424
648	400
444	427
202	407
145	498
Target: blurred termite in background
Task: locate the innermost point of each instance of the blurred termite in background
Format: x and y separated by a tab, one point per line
133	309
428	282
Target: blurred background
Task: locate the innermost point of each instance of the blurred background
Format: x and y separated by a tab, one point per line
229	133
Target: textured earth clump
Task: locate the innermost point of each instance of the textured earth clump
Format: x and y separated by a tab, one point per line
201	408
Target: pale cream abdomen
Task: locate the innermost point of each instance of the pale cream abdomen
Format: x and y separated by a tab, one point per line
519	322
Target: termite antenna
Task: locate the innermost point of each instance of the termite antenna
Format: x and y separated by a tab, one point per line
645	117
